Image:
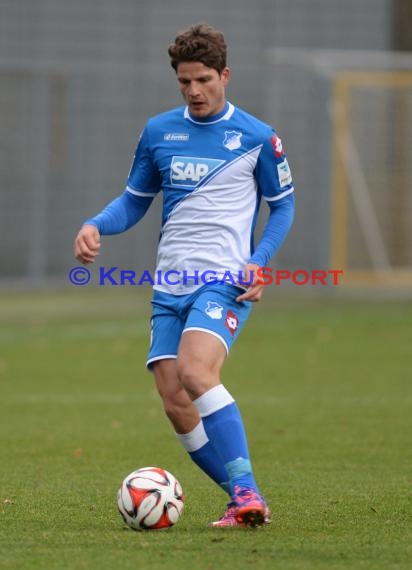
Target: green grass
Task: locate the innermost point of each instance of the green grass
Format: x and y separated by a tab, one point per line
325	391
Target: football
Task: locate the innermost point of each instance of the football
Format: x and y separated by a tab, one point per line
150	498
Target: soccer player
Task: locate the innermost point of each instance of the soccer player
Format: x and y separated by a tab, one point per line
214	164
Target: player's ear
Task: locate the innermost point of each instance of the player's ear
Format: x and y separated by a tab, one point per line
225	76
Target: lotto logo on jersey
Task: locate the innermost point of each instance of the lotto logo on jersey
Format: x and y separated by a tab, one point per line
231	322
189	170
277	146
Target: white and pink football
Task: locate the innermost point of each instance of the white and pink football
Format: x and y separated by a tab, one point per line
150	498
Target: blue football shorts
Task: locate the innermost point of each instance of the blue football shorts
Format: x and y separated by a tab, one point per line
211	308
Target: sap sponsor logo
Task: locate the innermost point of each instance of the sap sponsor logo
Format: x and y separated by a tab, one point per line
214	310
189	170
179	137
277	146
285	176
232	140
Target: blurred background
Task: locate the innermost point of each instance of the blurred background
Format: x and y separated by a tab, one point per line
79	79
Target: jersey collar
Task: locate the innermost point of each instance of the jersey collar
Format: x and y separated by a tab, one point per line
224	115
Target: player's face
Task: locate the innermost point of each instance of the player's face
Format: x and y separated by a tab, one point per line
202	88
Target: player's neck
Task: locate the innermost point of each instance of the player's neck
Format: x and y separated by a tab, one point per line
209	118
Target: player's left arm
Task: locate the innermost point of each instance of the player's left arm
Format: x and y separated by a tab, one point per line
275	182
274	233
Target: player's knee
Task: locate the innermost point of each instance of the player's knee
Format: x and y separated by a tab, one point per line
194	377
175	401
177	409
172	411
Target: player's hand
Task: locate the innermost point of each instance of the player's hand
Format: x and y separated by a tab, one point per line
87	244
255	289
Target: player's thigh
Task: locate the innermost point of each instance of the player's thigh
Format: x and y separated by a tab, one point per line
200	352
213	324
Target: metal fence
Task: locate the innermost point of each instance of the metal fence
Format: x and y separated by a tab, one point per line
352	146
78	81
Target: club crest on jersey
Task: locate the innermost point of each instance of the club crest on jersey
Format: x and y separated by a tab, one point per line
190	170
214	310
232	140
232	322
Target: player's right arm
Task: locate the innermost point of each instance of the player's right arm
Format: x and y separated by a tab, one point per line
116	218
87	244
126	210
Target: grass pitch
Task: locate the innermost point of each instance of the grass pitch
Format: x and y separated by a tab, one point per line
325	391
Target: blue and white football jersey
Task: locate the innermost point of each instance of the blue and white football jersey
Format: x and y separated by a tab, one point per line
213	173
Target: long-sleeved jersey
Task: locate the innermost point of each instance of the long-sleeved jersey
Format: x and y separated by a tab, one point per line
214	173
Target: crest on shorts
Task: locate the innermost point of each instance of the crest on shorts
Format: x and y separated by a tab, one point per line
232	140
214	310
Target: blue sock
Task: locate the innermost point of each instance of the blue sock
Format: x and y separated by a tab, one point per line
204	455
209	462
224	428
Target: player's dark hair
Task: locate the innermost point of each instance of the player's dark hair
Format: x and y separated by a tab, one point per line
201	43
